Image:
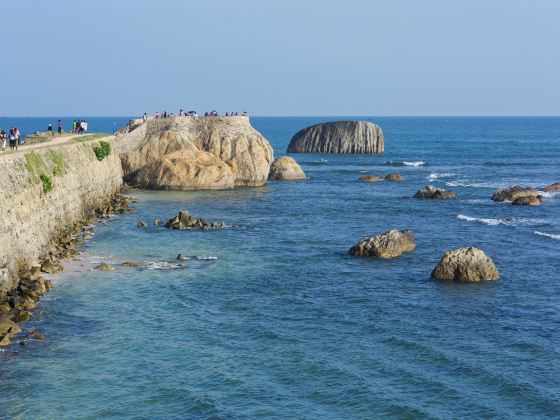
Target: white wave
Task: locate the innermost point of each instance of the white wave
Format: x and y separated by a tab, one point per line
434	175
466	183
414	163
489	222
397	163
162	265
548	235
550	194
205	258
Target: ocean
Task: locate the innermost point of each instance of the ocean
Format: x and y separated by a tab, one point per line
271	318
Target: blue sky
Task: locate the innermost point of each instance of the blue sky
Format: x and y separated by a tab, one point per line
289	57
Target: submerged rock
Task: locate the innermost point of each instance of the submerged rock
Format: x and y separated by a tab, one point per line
433	193
51	267
390	244
142	224
465	264
8	329
370	178
185	221
393	177
339	137
105	267
133	264
513	192
286	168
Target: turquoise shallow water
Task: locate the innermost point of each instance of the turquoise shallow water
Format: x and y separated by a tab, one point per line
284	324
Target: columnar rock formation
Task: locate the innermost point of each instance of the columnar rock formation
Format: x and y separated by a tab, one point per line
339	137
286	168
465	264
188	153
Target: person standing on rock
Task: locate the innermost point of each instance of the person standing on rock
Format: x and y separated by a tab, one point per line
74	126
3	139
59	127
145	117
13	139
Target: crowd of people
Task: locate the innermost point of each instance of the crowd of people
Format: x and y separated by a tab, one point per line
182	113
14	137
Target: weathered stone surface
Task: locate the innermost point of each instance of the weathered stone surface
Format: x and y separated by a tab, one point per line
370	178
393	177
465	264
527	201
51	267
133	264
433	193
552	187
185	153
186	170
339	137
7	330
390	244
185	221
142	224
105	267
512	192
286	168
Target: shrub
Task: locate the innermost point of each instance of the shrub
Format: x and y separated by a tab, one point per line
102	150
59	166
47	183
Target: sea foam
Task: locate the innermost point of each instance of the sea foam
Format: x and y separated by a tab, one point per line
548	235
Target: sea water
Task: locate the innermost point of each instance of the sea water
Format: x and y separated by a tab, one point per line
270	317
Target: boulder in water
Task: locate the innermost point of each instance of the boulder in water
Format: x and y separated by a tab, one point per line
8	329
185	221
393	177
527	200
512	192
105	267
433	193
339	137
370	178
552	187
390	244
286	168
467	265
142	224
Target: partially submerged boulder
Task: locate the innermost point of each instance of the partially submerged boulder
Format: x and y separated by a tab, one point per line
370	178
390	244
527	201
185	221
8	329
552	188
286	168
513	192
433	193
467	265
393	177
105	267
339	137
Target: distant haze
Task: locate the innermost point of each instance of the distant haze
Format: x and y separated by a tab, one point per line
280	57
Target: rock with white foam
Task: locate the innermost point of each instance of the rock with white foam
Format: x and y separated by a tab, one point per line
466	265
513	192
432	193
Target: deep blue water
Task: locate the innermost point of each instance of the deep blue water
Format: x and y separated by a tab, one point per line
285	324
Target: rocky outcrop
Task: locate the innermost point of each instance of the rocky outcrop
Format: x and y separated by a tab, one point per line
513	192
467	265
185	221
286	168
552	188
8	329
433	193
339	137
393	177
189	153
370	178
390	244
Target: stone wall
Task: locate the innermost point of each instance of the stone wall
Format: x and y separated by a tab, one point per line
32	219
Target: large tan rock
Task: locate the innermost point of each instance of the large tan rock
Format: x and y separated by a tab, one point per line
188	153
432	193
286	168
339	137
465	264
390	244
7	330
552	187
513	192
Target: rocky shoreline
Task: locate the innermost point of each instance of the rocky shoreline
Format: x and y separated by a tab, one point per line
17	305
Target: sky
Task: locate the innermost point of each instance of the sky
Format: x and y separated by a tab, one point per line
280	57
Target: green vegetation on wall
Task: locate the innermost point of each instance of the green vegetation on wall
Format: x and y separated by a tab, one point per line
47	183
59	165
35	166
102	150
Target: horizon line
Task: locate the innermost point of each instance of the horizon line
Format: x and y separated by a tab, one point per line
308	116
